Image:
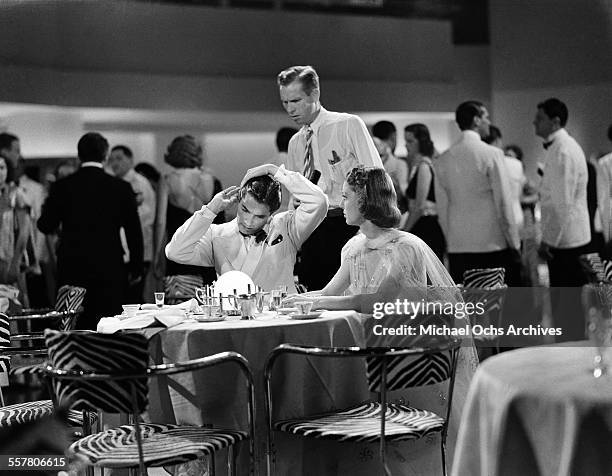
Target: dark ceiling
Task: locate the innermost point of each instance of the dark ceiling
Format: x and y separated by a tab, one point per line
469	17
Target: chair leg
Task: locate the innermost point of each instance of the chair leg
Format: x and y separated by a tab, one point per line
443	448
1	398
231	461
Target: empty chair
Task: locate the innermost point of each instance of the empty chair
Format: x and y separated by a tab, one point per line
109	372
379	421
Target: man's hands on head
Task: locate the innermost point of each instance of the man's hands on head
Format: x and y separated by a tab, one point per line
224	199
265	169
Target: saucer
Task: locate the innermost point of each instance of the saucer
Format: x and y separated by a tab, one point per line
310	315
287	310
205	318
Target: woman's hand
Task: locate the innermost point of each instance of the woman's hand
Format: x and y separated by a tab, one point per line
265	169
223	199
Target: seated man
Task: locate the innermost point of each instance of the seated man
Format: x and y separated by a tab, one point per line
262	246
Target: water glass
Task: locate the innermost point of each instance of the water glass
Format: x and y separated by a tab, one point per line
159	299
276	297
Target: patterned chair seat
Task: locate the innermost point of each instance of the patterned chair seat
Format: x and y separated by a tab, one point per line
25	412
361	423
161	444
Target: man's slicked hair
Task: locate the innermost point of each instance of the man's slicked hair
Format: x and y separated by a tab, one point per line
304	74
92	147
7	139
264	189
124	149
466	112
554	107
383	129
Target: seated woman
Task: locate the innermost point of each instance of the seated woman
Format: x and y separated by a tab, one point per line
381	264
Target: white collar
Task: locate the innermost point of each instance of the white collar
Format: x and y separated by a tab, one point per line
314	125
558	133
470	134
92	164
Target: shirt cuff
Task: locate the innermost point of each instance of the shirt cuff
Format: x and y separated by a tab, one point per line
206	213
281	173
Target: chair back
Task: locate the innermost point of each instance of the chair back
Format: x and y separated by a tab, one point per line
69	298
484	278
181	287
5	342
409	371
111	354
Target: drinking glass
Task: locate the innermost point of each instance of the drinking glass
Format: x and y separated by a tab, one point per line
276	297
304	307
597	299
159	299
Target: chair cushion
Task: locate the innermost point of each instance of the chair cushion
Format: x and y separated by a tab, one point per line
162	444
362	423
30	411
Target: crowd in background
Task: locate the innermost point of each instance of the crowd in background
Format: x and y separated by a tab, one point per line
442	201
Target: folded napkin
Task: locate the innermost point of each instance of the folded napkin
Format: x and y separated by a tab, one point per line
189	305
142	319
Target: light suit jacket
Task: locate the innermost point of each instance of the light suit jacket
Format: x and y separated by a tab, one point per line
473	197
200	242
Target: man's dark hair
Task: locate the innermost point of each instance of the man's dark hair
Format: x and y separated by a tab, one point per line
92	147
265	190
148	170
10	170
125	149
304	74
553	107
383	129
283	136
466	112
494	134
516	149
6	140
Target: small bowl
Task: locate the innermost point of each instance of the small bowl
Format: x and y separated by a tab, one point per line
303	307
130	310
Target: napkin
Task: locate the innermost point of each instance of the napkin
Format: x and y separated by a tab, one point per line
190	305
142	319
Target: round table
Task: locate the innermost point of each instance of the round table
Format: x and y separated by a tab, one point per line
537	411
302	385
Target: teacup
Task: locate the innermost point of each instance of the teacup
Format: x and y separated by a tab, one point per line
304	307
130	309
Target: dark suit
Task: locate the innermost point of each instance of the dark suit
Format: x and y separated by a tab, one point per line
91	207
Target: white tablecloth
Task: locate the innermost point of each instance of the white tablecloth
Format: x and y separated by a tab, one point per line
537	411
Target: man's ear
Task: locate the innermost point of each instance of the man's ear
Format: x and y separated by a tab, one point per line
315	94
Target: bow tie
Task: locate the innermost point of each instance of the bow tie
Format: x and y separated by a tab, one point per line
259	236
547	144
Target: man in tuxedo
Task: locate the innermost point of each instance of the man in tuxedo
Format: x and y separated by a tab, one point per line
90	207
473	199
262	246
565	215
325	149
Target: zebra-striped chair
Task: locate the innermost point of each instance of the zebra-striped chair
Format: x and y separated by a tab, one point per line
380	421
181	287
109	372
28	411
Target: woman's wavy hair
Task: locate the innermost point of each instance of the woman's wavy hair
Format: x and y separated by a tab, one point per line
10	170
421	134
184	152
377	198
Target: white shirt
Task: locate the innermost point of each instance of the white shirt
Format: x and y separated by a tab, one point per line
398	170
517	180
335	135
565	216
604	194
200	242
146	209
473	197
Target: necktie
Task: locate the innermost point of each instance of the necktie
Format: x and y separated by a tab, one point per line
308	158
547	144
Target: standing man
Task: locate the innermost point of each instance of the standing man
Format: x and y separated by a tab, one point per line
327	147
473	199
91	207
565	216
121	162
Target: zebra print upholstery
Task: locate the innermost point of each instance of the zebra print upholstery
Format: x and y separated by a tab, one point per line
103	353
181	287
404	372
29	411
596	269
5	342
162	445
69	298
484	278
361	423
